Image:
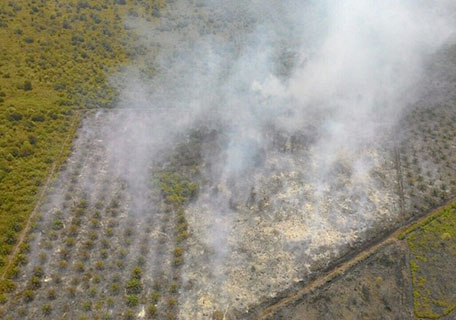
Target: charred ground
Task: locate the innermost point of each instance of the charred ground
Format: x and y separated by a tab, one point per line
148	221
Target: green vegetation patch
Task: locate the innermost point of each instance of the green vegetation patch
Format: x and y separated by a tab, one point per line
175	188
56	58
432	246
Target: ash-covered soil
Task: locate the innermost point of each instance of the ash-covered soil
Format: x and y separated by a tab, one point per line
284	230
424	159
104	218
378	288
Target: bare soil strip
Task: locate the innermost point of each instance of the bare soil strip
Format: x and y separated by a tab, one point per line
346	265
43	191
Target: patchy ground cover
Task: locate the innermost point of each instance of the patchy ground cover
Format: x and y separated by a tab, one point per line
55	58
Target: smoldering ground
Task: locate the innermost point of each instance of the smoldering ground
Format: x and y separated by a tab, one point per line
301	99
338	74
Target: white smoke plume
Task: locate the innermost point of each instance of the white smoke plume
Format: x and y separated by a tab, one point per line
340	73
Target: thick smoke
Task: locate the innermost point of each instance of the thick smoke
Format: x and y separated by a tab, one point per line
338	73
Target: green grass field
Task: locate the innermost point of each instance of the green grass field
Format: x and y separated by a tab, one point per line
432	244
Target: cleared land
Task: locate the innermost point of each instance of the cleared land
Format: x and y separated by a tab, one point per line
172	238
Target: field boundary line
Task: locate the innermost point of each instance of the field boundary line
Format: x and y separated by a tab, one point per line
339	270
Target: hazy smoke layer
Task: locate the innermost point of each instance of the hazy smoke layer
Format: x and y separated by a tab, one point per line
346	67
338	74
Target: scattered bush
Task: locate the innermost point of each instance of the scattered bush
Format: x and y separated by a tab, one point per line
15	116
27	85
29	295
92	292
87	306
172	302
47	309
35	282
134	286
99	265
155	296
132	300
115	288
51	294
137	273
151	311
38	272
38	117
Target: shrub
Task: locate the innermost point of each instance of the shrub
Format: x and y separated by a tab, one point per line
65	253
155	296
70	241
96	279
89	244
22	312
132	300
105	243
10	237
35	282
151	311
63	264
83	204
38	272
15	116
93	235
107	316
38	117
27	85
95	223
110	302
84	254
115	288
137	273
99	265
182	236
178	261
51	294
128	232
174	288
71	292
123	253
87	306
92	292
33	140
57	278
178	252
134	286
141	261
57	224
47	309
171	302
129	315
120	264
73	230
29	295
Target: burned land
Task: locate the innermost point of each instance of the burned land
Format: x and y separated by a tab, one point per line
242	158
